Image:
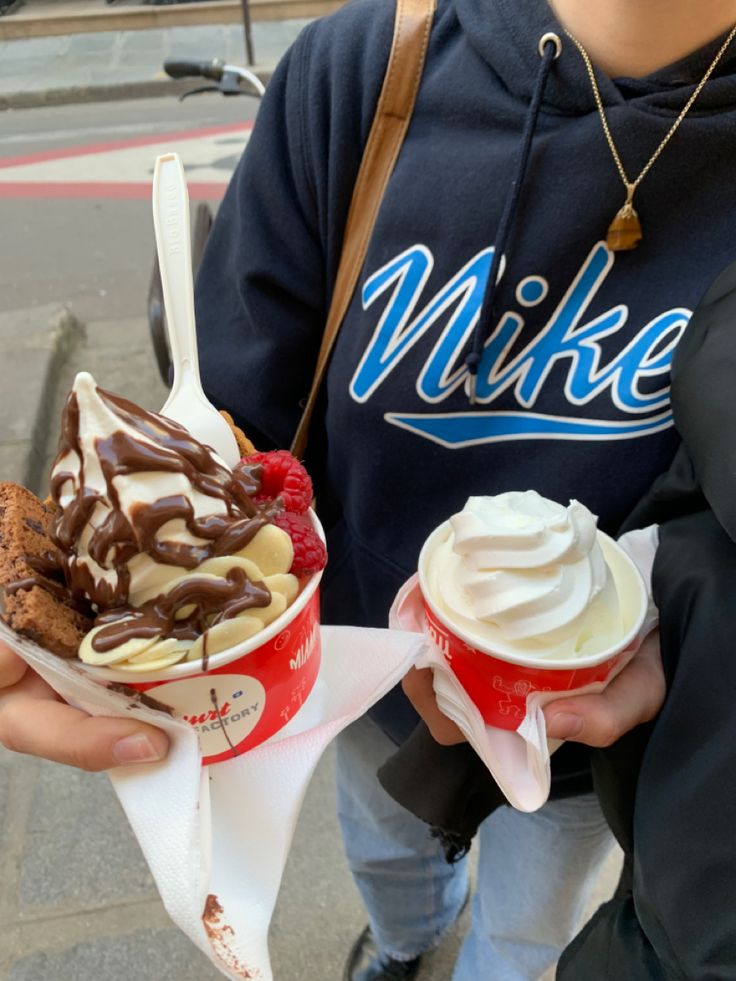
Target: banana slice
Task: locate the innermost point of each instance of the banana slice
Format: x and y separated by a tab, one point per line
224	635
131	648
268	613
284	583
267	559
270	549
283	588
161	655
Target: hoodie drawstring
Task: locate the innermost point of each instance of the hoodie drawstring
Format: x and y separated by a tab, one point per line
549	50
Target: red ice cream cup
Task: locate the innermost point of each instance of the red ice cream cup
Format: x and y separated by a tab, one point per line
499	681
248	692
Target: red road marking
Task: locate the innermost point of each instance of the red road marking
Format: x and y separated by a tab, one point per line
140	190
79	151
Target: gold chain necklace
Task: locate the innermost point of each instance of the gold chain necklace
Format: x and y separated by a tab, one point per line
625	232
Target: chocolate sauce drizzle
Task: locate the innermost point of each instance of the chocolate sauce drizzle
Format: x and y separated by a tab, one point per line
218	599
226	734
48	575
139	697
55	588
118	538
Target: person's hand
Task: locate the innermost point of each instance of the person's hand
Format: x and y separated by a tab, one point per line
35	721
634	696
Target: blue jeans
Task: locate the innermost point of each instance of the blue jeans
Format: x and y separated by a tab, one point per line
535	873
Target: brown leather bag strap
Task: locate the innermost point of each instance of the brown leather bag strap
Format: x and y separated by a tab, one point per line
390	123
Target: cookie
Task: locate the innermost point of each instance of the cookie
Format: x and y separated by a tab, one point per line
244	444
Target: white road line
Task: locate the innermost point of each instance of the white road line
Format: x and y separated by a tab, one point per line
135	129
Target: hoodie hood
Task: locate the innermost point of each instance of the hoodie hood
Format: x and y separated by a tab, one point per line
508	42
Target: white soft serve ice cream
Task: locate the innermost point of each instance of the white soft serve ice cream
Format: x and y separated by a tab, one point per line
160	536
525	575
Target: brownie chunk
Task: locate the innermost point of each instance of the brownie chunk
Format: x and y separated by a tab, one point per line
33	598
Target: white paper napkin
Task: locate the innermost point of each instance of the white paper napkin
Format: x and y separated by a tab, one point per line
519	760
216	838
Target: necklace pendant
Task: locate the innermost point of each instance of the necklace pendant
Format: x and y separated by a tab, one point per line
624	232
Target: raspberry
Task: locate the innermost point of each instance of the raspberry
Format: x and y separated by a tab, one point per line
284	477
310	554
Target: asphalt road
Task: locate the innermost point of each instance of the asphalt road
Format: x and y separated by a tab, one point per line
92	252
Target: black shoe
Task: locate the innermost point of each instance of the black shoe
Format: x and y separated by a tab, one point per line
366	964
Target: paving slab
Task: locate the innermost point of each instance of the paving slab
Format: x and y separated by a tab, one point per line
51	934
147	955
13	459
20	362
119	355
79	849
35	343
19	776
3	799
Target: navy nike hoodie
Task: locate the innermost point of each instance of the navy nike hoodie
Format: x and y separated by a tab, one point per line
575	341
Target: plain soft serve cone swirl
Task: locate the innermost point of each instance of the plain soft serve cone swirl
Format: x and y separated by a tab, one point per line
522	594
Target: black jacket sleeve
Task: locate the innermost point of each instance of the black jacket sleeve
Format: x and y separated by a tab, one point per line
704	396
669	789
677	919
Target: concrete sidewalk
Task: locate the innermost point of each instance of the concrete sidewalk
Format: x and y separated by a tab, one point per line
127	64
50	18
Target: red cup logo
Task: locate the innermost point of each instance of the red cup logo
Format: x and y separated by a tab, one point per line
242	703
224	708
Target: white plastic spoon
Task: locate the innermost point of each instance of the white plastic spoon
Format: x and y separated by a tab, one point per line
187	404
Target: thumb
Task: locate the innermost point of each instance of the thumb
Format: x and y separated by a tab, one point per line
633	697
57	731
